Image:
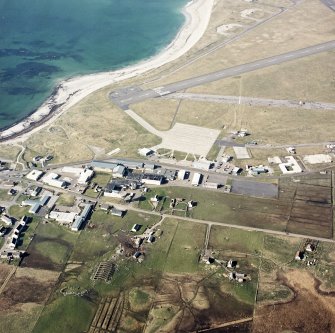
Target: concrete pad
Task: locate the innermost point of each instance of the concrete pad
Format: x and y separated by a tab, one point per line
318	159
182	137
188	138
241	153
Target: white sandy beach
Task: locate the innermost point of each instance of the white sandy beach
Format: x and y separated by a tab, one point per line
73	90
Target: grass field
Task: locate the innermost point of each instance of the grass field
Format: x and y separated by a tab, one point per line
185	251
75	312
66	199
227	208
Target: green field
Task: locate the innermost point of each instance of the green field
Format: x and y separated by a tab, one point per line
184	253
225	208
75	313
66	199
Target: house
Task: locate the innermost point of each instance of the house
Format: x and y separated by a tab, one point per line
291	150
151	239
137	254
13	243
310	247
191	204
117	212
11	192
231	263
239	277
145	152
3	230
236	171
155	198
6	219
35	175
136	227
300	255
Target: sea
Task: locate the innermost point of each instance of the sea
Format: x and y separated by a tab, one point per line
45	41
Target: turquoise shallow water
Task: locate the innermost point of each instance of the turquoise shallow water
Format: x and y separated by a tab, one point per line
43	41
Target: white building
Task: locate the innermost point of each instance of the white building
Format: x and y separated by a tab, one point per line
181	174
62	217
85	175
202	164
196	179
119	171
291	166
35	175
52	179
145	151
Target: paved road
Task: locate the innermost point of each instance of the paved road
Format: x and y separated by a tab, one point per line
252	101
329	3
139	96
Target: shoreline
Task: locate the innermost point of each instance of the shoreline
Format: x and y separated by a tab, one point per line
72	90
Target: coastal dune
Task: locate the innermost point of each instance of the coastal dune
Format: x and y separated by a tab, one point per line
71	91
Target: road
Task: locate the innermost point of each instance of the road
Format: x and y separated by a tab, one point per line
138	96
329	3
253	101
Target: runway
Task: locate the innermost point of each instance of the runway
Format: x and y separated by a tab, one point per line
134	95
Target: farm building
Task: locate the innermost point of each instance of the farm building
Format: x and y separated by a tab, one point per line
136	227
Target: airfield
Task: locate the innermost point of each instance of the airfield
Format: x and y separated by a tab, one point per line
210	190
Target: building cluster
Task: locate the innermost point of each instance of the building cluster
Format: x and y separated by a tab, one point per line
308	252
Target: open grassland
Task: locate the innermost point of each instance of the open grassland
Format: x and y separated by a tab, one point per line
77	131
296	28
9	151
307	79
267	125
25	322
101	178
75	313
157	112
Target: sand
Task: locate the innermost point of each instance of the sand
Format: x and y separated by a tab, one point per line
71	91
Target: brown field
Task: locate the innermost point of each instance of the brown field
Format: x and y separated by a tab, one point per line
309	310
311	209
27	286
